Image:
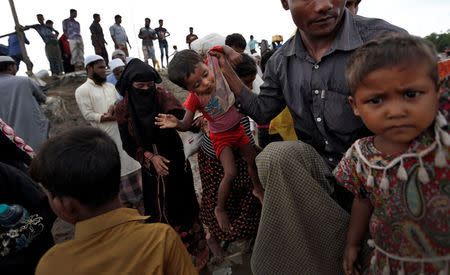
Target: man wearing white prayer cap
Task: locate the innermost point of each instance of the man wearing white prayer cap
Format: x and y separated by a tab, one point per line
121	54
116	65
95	99
19	105
92	58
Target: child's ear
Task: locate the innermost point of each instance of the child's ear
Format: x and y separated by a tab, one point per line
285	4
352	102
65	208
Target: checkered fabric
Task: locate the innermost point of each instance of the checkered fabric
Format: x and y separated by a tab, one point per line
131	189
302	229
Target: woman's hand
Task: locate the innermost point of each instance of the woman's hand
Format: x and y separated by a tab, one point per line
159	162
166	121
349	259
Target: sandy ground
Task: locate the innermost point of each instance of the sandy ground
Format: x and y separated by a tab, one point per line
63	112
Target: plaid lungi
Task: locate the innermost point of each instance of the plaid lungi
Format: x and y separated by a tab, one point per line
131	189
302	229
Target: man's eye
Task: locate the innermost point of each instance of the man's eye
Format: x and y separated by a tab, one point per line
411	94
375	100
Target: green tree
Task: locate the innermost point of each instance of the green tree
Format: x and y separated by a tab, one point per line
440	41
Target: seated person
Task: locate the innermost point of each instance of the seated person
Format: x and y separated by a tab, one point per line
108	239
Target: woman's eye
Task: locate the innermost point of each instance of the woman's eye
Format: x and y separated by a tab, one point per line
411	94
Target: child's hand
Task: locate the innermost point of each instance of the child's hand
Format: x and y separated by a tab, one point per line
166	121
349	259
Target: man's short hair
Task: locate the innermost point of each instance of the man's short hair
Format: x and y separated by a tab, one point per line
160	20
49	22
82	163
246	67
236	40
147	19
388	51
95	15
4	65
117	17
73	10
39	15
182	66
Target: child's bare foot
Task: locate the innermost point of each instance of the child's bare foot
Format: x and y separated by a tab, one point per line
222	219
259	193
216	249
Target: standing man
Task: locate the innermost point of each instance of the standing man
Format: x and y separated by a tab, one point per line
71	29
303	224
119	36
14	49
252	44
191	37
98	39
147	35
19	105
163	45
96	99
50	37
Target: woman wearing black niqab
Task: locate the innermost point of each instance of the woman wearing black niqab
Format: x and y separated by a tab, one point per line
168	187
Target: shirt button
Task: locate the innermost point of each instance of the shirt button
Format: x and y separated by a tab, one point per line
316	92
330	159
316	66
239	105
326	142
318	119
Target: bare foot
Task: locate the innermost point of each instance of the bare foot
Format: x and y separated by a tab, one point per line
222	219
259	193
216	249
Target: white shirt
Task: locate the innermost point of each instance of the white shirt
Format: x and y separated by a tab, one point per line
93	101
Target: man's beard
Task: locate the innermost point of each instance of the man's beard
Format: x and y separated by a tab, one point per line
98	79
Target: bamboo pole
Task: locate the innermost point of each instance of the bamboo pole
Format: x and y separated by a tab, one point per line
20	36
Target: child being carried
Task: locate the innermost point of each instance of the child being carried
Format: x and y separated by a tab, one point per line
210	94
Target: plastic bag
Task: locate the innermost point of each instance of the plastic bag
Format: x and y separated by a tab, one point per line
191	142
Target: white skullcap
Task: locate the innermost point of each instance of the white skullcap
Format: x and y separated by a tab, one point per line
118	52
116	62
6	59
92	58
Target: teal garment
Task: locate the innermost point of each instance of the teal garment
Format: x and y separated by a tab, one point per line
252	44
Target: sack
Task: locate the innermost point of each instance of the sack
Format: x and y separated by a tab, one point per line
191	143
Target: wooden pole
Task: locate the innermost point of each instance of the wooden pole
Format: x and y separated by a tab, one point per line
20	36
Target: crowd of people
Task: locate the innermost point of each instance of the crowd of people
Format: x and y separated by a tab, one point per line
349	174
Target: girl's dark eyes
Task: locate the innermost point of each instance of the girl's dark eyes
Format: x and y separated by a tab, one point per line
411	94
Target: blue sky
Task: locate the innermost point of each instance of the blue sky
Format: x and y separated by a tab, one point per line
262	18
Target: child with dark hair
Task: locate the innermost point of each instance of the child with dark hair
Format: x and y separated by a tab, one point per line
80	172
400	175
189	71
246	70
236	41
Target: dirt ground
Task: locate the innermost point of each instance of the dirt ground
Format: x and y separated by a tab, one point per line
63	113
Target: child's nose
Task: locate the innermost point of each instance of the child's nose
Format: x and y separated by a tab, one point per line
396	109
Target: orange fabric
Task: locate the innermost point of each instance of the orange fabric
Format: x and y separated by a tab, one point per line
444	68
